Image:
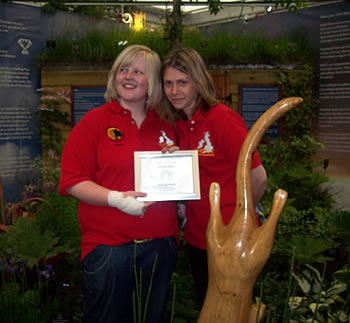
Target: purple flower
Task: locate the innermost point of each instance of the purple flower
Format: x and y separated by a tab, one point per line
10	269
47	273
44	274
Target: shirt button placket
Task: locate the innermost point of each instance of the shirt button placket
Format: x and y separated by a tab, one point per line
192	122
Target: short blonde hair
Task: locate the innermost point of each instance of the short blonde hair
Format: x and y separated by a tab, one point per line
152	62
189	62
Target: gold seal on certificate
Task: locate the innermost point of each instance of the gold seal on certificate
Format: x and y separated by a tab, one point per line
168	176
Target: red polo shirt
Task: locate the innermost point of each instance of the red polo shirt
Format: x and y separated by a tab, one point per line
101	148
218	135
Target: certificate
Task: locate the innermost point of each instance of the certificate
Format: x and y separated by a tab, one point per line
167	176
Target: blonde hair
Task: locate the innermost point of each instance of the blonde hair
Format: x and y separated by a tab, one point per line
189	62
152	63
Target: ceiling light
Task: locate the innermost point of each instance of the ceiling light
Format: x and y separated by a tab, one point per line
268	9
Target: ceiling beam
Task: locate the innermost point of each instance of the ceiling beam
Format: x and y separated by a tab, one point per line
154	3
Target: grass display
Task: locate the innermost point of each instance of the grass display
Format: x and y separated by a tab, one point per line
218	48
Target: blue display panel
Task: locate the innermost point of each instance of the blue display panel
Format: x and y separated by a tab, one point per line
20	43
86	99
255	100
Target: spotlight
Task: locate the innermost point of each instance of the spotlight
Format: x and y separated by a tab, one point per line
126	18
245	19
268	9
250	16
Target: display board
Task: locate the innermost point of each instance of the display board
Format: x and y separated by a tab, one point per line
86	99
19	105
255	100
333	122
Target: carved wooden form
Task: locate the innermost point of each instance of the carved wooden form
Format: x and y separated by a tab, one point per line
238	251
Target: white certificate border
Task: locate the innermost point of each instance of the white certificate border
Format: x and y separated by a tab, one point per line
196	195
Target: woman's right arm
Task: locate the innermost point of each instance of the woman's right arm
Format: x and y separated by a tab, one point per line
78	168
90	193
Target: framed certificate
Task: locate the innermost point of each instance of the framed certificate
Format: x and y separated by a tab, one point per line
167	176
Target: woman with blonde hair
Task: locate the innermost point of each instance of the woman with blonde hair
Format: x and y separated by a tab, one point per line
128	247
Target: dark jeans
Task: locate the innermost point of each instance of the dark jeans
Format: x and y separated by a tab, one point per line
199	266
112	282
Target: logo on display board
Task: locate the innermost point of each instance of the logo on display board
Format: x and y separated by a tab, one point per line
25	44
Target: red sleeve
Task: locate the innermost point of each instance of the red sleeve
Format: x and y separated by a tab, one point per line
78	162
231	131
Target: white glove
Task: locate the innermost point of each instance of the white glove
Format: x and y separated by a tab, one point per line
127	204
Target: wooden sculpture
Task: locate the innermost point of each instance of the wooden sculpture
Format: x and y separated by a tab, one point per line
238	251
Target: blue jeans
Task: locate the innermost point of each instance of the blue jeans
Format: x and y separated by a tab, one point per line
117	280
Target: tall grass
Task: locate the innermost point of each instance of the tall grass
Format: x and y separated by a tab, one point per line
217	48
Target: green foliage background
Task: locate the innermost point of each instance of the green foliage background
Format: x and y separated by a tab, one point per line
218	48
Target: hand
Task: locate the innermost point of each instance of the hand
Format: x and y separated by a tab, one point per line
127	202
170	149
238	251
138	194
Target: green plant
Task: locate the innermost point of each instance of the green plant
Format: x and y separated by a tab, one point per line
308	227
18	306
9	213
52	118
341	227
310	250
183	305
33	294
288	161
320	301
33	246
217	48
60	215
140	313
41	233
25	283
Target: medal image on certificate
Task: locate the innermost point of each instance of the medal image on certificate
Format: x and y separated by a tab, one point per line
168	176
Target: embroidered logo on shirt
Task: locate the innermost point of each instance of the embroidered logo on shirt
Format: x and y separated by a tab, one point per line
205	148
115	134
164	140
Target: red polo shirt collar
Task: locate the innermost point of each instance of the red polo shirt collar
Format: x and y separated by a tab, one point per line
116	107
199	115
